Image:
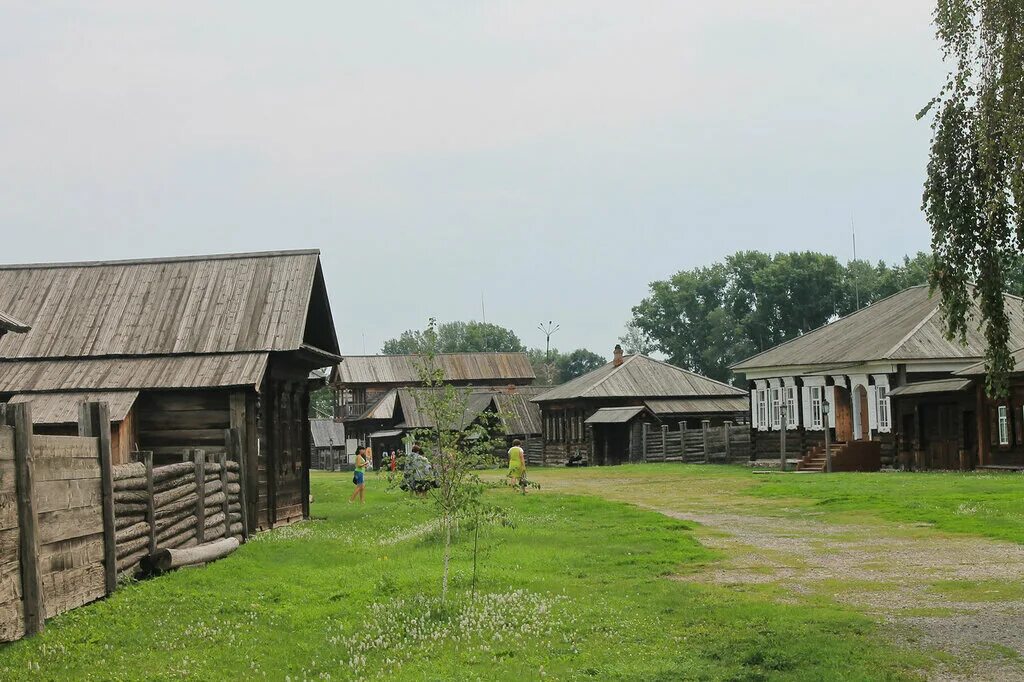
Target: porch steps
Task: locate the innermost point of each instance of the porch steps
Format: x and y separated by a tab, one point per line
814	460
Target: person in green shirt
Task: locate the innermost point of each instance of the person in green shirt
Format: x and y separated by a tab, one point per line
517	466
357	477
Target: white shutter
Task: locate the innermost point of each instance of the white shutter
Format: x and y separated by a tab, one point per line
753	410
830	395
872	410
793	420
805	397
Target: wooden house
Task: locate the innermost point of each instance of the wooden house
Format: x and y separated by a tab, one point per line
361	381
862	365
400	412
998	424
328	443
182	349
599	416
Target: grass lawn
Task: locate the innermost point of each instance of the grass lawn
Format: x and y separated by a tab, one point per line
987	505
577	588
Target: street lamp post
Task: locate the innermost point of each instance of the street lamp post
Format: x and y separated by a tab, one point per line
782	434
828	449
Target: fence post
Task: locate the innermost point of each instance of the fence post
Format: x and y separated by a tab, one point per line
644	429
19	416
223	461
233	438
94	422
664	442
704	426
682	442
147	459
727	426
199	457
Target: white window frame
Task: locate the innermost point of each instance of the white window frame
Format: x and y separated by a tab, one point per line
883	408
792	414
774	405
1004	425
817	419
762	409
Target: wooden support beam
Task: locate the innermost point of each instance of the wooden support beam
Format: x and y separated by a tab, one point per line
727	432
199	457
94	422
664	442
147	460
704	426
19	416
233	441
644	429
222	459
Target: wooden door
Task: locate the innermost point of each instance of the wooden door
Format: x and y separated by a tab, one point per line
940	436
864	432
844	415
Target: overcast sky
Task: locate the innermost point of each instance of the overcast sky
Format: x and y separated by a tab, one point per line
552	156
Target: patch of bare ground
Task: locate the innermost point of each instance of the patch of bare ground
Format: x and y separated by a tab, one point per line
884	572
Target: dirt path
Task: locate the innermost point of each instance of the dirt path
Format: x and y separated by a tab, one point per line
963	596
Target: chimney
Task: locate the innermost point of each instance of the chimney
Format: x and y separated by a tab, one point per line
618	355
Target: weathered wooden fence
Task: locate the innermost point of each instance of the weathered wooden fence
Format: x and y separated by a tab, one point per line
708	444
56	519
176	505
70	522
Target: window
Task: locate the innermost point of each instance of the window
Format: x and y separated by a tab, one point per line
883	407
776	408
816	415
792	416
762	408
1004	426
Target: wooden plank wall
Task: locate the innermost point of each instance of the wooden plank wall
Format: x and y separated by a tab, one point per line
169	423
69	513
12	622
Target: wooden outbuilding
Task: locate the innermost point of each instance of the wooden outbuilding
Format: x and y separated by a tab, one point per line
185	351
855	365
328	442
598	417
998	424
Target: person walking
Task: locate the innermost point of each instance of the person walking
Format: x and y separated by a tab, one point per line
517	466
357	477
394	460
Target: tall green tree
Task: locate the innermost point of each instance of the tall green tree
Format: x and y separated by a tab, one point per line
456	337
707	318
974	191
578	363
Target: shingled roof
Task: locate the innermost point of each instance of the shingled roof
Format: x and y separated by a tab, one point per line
904	327
639	377
483	368
162	323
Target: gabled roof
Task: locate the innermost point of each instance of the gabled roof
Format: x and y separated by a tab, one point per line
415	417
615	415
62	408
978	368
952	385
698	405
639	377
11	324
483	368
254	302
113	374
326	433
906	326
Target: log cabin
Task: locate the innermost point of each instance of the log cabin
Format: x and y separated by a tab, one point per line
598	417
182	349
856	368
996	424
366	386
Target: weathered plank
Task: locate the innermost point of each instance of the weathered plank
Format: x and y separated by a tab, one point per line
55	495
66	590
74	553
65	524
20	417
54	468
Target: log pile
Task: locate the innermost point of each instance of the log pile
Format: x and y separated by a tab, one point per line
174	506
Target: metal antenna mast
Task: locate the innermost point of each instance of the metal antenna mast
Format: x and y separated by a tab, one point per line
548	329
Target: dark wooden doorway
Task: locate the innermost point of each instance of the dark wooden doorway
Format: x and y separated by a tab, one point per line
940	435
844	415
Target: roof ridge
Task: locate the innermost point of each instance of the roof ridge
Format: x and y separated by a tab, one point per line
911	333
168	259
827	324
698	375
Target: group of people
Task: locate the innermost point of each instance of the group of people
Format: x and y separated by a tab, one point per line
417	474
